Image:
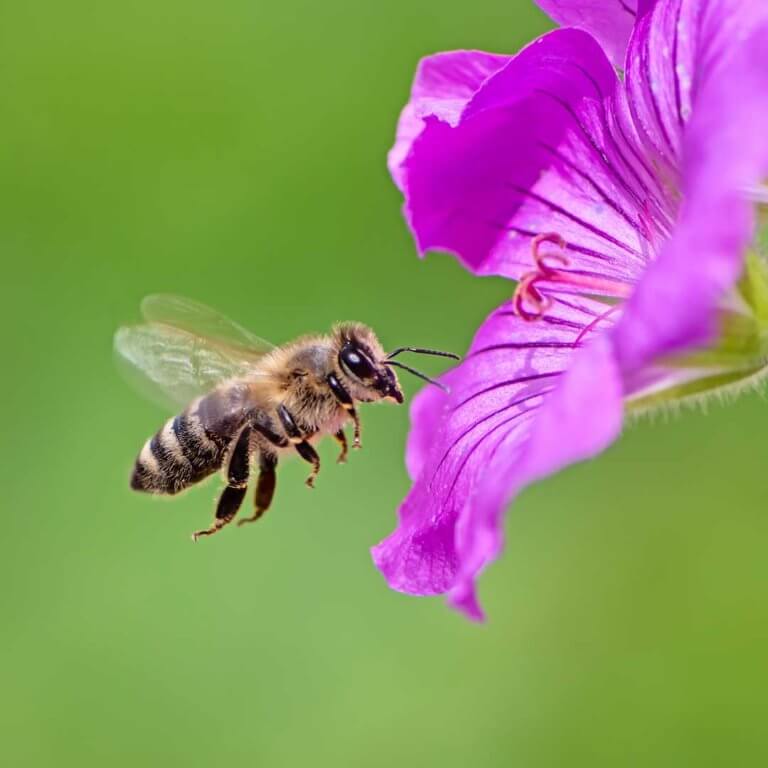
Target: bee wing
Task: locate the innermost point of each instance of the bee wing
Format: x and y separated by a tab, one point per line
184	350
200	320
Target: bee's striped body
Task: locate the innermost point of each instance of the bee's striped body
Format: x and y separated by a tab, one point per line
189	447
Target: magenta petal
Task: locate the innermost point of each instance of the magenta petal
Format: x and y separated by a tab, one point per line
725	152
488	444
443	85
581	417
427	411
536	150
677	46
658	79
610	21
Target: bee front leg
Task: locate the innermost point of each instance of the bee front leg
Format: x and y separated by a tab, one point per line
303	448
237	484
347	403
265	487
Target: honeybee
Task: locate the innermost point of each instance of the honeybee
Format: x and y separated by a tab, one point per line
245	399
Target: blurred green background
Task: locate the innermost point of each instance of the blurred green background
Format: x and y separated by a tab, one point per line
235	152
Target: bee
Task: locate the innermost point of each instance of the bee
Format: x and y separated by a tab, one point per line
245	400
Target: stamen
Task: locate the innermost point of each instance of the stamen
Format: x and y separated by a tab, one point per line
587	328
528	292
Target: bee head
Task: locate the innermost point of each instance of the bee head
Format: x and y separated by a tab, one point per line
363	363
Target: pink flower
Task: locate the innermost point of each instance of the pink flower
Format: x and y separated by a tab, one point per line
625	207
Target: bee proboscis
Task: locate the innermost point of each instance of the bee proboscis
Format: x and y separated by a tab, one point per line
247	401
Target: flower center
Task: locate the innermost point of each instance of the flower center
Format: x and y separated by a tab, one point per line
531	303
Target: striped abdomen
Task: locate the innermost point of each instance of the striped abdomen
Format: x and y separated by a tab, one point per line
182	453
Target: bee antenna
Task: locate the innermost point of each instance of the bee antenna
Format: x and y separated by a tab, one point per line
418	374
422	351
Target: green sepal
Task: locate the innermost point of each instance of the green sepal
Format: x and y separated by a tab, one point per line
742	341
691	389
740	350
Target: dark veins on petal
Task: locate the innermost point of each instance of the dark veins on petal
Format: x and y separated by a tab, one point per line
604	196
502	384
517	345
571	326
504	423
627	155
529	233
581	307
579	221
668	42
593	143
547	320
606	106
675	67
646	58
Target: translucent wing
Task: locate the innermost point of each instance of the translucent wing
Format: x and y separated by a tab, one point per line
200	320
184	350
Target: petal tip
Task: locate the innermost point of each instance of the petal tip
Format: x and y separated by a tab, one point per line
463	598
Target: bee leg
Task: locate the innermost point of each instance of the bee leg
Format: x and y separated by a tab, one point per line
237	484
229	502
304	449
308	453
265	487
356	419
347	403
341	439
270	435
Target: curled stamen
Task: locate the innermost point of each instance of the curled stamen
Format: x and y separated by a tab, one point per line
528	292
539	257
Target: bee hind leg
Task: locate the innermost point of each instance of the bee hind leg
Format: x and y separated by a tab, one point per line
229	502
265	488
237	484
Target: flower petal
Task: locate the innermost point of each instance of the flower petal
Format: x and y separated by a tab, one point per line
426	410
725	152
512	416
537	150
609	21
678	45
580	419
443	85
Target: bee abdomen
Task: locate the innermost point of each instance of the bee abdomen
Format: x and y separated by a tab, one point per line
180	454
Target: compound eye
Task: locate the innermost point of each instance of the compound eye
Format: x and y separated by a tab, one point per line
357	363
